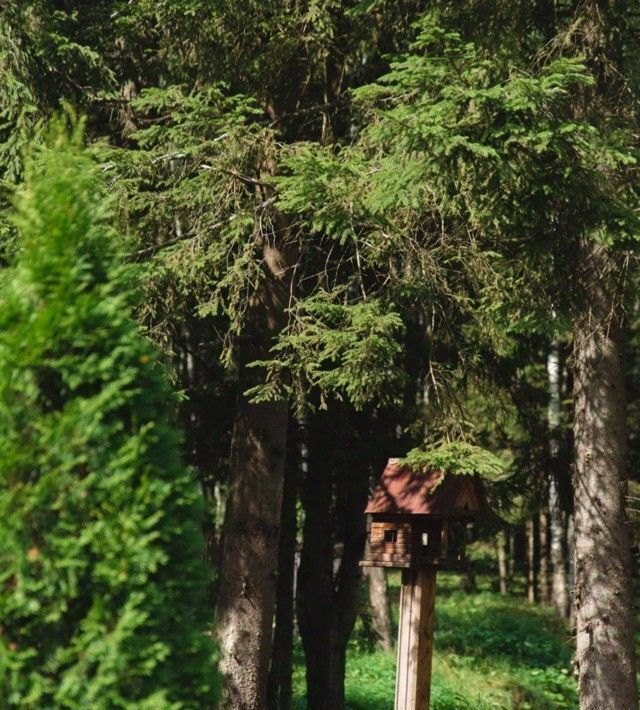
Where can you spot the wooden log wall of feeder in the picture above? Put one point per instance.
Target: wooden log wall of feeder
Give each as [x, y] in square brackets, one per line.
[416, 522]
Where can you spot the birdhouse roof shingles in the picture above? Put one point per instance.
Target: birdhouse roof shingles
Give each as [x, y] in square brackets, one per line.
[405, 491]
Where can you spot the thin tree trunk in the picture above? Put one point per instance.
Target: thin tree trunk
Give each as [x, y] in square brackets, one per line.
[511, 561]
[559, 551]
[571, 576]
[531, 561]
[543, 555]
[380, 607]
[605, 654]
[246, 594]
[354, 497]
[501, 543]
[468, 581]
[279, 694]
[557, 517]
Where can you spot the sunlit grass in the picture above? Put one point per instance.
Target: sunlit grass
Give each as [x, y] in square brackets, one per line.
[492, 653]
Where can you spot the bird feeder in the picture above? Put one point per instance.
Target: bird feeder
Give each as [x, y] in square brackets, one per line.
[418, 518]
[416, 522]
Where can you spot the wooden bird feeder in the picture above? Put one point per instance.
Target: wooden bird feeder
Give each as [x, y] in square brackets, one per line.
[416, 522]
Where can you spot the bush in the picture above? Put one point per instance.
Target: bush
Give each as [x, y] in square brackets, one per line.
[102, 580]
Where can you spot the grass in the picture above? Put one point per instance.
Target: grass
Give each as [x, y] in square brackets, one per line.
[492, 652]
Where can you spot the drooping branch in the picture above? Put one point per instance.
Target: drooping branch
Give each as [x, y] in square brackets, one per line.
[147, 252]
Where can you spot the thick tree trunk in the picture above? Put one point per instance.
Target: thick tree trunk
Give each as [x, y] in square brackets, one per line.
[557, 517]
[314, 594]
[501, 543]
[531, 561]
[543, 555]
[605, 654]
[246, 594]
[380, 607]
[279, 692]
[244, 612]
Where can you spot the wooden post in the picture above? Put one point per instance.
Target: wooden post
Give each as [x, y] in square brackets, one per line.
[415, 638]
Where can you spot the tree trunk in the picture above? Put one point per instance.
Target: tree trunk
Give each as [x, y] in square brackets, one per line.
[246, 594]
[558, 534]
[571, 567]
[605, 654]
[543, 555]
[557, 517]
[279, 694]
[327, 603]
[314, 594]
[244, 612]
[501, 542]
[511, 561]
[531, 561]
[468, 582]
[380, 607]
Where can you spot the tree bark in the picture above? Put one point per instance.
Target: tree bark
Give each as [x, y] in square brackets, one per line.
[531, 561]
[543, 555]
[605, 654]
[557, 517]
[501, 542]
[244, 611]
[468, 582]
[380, 607]
[246, 593]
[327, 604]
[559, 550]
[279, 692]
[571, 567]
[511, 560]
[314, 594]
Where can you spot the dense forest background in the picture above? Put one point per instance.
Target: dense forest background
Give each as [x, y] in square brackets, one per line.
[310, 236]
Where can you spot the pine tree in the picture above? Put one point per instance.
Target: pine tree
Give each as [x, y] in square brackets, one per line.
[102, 580]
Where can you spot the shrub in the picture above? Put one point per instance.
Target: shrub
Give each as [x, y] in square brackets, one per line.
[102, 579]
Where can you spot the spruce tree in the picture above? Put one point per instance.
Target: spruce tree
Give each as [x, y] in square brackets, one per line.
[102, 580]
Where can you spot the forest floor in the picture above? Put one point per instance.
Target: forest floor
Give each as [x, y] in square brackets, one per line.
[492, 652]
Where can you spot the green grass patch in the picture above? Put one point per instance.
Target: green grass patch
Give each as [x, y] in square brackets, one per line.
[491, 653]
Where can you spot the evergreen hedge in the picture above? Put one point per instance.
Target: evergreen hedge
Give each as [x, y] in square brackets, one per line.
[103, 586]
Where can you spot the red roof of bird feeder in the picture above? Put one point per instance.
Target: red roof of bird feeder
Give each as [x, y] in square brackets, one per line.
[405, 491]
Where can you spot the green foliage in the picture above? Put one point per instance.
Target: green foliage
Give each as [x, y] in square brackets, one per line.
[195, 175]
[47, 54]
[465, 191]
[183, 201]
[469, 183]
[348, 349]
[487, 624]
[458, 458]
[103, 589]
[528, 646]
